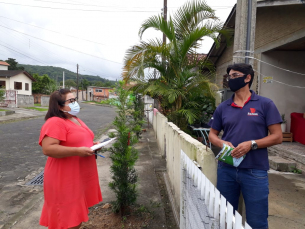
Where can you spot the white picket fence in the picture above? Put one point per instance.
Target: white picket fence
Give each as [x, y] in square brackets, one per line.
[201, 204]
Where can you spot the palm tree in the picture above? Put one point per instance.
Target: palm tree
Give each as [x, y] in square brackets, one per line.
[179, 83]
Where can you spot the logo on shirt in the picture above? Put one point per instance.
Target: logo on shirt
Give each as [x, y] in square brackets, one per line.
[252, 112]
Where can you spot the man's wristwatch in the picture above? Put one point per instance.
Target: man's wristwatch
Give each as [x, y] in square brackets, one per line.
[253, 145]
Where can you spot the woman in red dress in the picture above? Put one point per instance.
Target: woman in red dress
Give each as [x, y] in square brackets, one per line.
[71, 182]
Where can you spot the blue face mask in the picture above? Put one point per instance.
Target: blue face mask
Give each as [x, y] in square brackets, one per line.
[74, 108]
[237, 83]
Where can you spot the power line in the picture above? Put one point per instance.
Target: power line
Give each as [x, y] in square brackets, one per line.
[53, 31]
[61, 45]
[23, 54]
[281, 82]
[95, 73]
[91, 10]
[303, 74]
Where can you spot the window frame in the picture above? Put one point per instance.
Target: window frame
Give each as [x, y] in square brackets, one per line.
[15, 85]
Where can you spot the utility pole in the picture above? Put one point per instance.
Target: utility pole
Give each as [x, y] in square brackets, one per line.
[244, 37]
[63, 79]
[77, 81]
[165, 18]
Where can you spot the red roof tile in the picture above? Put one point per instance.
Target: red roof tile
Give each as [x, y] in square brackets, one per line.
[4, 63]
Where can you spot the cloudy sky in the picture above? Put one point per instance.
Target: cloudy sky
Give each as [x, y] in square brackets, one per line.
[92, 33]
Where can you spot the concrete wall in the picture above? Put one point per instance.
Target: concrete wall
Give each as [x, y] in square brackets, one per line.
[25, 100]
[171, 141]
[20, 78]
[45, 101]
[287, 99]
[278, 25]
[275, 26]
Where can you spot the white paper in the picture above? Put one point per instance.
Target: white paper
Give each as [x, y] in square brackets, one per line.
[100, 145]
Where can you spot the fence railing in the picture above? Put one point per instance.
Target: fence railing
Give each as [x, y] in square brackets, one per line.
[201, 204]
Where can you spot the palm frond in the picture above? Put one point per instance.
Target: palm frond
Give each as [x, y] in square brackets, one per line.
[190, 15]
[158, 23]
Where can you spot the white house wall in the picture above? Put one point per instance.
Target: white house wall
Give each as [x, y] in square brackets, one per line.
[20, 78]
[288, 99]
[2, 67]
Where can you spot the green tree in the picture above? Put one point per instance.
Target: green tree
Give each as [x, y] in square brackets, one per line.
[43, 84]
[124, 155]
[70, 83]
[13, 64]
[179, 82]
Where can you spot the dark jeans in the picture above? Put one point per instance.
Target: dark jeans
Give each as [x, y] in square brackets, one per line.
[253, 184]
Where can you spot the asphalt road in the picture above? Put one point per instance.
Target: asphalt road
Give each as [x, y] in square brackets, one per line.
[19, 149]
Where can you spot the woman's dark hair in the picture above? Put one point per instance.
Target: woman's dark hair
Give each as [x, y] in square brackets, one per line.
[57, 98]
[244, 68]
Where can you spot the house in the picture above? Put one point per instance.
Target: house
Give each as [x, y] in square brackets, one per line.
[18, 85]
[98, 93]
[279, 54]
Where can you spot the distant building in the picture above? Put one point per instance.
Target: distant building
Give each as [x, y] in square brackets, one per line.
[17, 85]
[98, 93]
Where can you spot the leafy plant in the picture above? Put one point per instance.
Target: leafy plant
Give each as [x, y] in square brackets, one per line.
[124, 155]
[295, 170]
[2, 93]
[283, 118]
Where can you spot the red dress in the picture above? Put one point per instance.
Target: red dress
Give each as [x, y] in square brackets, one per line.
[71, 184]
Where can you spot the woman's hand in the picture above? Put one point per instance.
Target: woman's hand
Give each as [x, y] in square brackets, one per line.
[84, 151]
[94, 143]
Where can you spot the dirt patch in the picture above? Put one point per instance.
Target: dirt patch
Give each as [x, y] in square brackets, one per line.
[102, 216]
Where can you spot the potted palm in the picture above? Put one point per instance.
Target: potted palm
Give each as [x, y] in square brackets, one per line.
[283, 125]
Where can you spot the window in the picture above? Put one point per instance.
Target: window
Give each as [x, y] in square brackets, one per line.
[2, 84]
[26, 86]
[98, 90]
[18, 85]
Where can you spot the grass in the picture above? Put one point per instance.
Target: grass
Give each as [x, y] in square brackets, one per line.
[3, 110]
[37, 108]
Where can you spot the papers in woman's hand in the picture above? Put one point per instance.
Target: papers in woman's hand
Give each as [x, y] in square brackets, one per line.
[100, 145]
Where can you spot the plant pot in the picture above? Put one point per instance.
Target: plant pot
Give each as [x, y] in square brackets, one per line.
[283, 126]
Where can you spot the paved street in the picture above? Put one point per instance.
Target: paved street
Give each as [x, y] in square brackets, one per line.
[21, 157]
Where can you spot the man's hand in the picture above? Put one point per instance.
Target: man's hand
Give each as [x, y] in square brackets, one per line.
[227, 143]
[241, 149]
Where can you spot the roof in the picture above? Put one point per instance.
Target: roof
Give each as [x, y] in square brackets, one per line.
[4, 63]
[10, 73]
[101, 87]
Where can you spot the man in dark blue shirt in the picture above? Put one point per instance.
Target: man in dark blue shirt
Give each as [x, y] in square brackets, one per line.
[246, 119]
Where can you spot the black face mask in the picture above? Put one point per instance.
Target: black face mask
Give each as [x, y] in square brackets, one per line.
[237, 83]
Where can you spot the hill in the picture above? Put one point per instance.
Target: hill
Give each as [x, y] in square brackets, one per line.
[56, 73]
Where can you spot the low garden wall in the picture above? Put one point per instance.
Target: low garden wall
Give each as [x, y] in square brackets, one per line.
[44, 101]
[25, 101]
[171, 141]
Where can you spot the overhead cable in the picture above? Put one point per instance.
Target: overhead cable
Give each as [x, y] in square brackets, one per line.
[61, 45]
[91, 10]
[279, 81]
[303, 74]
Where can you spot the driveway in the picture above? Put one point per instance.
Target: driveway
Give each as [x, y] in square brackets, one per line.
[21, 158]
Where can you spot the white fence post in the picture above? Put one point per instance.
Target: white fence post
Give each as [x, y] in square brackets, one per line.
[201, 204]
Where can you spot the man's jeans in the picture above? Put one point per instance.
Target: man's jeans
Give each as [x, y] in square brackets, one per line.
[253, 184]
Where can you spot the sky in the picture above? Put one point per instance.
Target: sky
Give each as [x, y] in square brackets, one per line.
[94, 34]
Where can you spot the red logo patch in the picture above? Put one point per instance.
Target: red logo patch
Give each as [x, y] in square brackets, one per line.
[252, 110]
